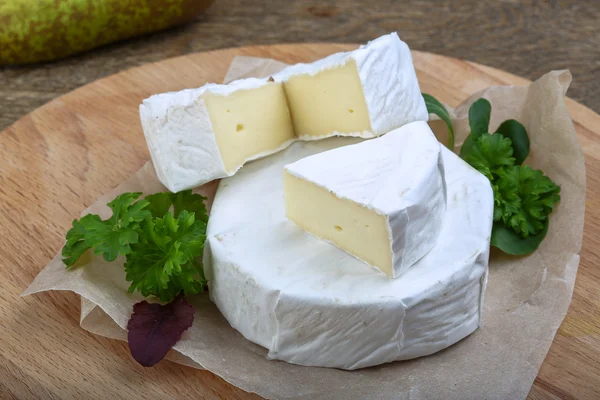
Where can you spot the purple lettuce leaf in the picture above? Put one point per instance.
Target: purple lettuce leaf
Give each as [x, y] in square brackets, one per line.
[154, 328]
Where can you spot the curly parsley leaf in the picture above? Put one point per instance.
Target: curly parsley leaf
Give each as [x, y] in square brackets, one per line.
[163, 262]
[528, 198]
[111, 237]
[162, 238]
[437, 108]
[191, 202]
[160, 203]
[489, 154]
[76, 244]
[523, 197]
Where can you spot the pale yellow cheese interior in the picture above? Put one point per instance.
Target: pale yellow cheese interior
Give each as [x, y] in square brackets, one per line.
[249, 122]
[354, 228]
[330, 101]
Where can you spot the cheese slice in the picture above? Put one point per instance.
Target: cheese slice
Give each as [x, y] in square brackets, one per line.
[366, 92]
[381, 200]
[310, 303]
[198, 135]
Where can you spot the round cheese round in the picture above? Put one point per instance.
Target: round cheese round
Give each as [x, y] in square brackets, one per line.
[310, 303]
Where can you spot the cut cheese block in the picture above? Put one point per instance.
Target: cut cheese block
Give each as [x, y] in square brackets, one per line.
[310, 303]
[382, 200]
[198, 135]
[365, 92]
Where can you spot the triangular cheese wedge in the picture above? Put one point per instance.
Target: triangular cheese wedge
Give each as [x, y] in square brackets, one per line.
[381, 200]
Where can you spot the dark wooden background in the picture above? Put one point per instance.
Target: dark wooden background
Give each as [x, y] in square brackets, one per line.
[524, 37]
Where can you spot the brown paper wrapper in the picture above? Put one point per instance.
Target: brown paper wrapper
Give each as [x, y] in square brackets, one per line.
[526, 300]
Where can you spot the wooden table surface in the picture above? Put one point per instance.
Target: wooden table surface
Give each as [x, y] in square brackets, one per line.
[524, 37]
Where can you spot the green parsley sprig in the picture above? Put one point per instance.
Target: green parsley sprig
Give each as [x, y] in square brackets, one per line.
[523, 198]
[161, 236]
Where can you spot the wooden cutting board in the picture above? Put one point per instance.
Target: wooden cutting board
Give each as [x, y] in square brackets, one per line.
[60, 158]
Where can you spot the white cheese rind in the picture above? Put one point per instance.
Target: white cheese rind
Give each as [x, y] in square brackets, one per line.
[310, 303]
[389, 81]
[399, 176]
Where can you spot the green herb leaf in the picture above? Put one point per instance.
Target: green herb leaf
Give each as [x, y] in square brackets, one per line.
[163, 262]
[528, 198]
[437, 108]
[76, 244]
[510, 242]
[159, 203]
[466, 147]
[194, 203]
[162, 248]
[479, 122]
[523, 197]
[479, 117]
[489, 154]
[516, 132]
[111, 237]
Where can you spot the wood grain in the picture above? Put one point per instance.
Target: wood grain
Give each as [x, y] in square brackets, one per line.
[524, 37]
[60, 158]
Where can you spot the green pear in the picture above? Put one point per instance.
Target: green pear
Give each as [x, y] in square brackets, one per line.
[43, 30]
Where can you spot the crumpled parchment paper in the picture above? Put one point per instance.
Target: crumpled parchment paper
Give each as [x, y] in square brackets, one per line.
[526, 301]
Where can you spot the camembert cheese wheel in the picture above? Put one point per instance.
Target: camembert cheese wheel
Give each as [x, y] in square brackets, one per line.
[310, 303]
